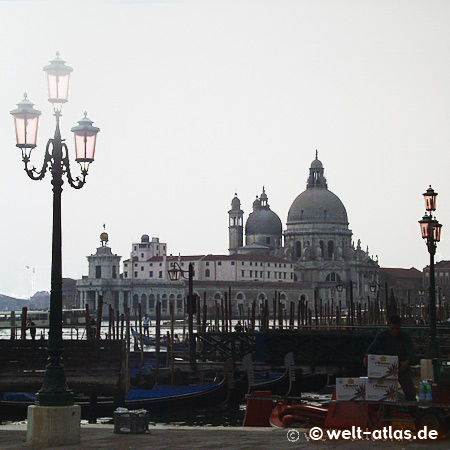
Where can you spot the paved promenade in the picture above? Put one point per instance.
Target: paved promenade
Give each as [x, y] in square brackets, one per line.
[99, 437]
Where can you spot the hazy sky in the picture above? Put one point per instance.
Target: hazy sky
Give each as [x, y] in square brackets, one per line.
[197, 99]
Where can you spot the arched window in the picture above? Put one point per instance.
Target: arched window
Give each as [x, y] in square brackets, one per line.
[330, 249]
[164, 302]
[298, 249]
[151, 301]
[333, 276]
[322, 248]
[207, 273]
[135, 301]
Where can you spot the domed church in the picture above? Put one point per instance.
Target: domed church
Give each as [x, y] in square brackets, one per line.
[316, 239]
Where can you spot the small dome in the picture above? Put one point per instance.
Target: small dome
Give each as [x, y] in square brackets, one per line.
[265, 222]
[104, 237]
[235, 203]
[256, 204]
[145, 238]
[316, 164]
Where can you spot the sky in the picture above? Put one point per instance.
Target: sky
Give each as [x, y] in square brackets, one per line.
[197, 100]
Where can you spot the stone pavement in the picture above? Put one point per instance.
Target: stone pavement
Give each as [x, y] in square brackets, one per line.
[101, 437]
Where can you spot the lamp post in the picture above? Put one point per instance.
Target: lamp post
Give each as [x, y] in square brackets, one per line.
[54, 391]
[340, 288]
[174, 275]
[431, 233]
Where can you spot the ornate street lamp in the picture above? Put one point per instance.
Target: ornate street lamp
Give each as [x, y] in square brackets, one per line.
[175, 273]
[54, 391]
[340, 288]
[431, 232]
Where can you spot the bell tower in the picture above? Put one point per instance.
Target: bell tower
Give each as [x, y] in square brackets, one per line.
[235, 226]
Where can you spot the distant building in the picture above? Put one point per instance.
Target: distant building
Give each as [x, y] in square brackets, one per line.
[117, 289]
[317, 240]
[442, 279]
[406, 284]
[317, 254]
[69, 293]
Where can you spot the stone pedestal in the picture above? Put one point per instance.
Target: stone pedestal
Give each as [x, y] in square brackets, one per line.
[53, 425]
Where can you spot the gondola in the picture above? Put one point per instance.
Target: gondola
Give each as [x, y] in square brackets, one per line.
[152, 341]
[13, 406]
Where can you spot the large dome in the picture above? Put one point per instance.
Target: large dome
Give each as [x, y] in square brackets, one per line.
[318, 206]
[263, 221]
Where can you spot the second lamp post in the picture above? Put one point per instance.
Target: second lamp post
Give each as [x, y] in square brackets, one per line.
[431, 232]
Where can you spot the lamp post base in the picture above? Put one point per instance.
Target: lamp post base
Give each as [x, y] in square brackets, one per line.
[50, 426]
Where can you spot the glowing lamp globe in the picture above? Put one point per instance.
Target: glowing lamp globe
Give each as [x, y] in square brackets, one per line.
[85, 140]
[26, 120]
[58, 77]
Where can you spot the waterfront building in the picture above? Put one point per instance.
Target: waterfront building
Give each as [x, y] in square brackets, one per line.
[318, 252]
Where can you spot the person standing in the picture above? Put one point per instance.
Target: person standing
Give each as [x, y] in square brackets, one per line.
[146, 322]
[32, 327]
[395, 342]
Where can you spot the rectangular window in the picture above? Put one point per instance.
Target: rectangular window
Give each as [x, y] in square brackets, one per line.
[125, 274]
[250, 263]
[114, 271]
[135, 264]
[261, 274]
[219, 263]
[243, 273]
[251, 273]
[160, 264]
[98, 271]
[142, 268]
[151, 264]
[207, 263]
[179, 303]
[285, 275]
[142, 255]
[292, 276]
[268, 265]
[125, 265]
[160, 274]
[135, 274]
[151, 274]
[232, 263]
[268, 274]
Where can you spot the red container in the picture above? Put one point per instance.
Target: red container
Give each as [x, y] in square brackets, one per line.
[441, 392]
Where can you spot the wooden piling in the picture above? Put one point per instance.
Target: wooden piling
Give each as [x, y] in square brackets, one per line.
[157, 339]
[88, 322]
[23, 323]
[141, 337]
[99, 316]
[225, 300]
[171, 341]
[13, 325]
